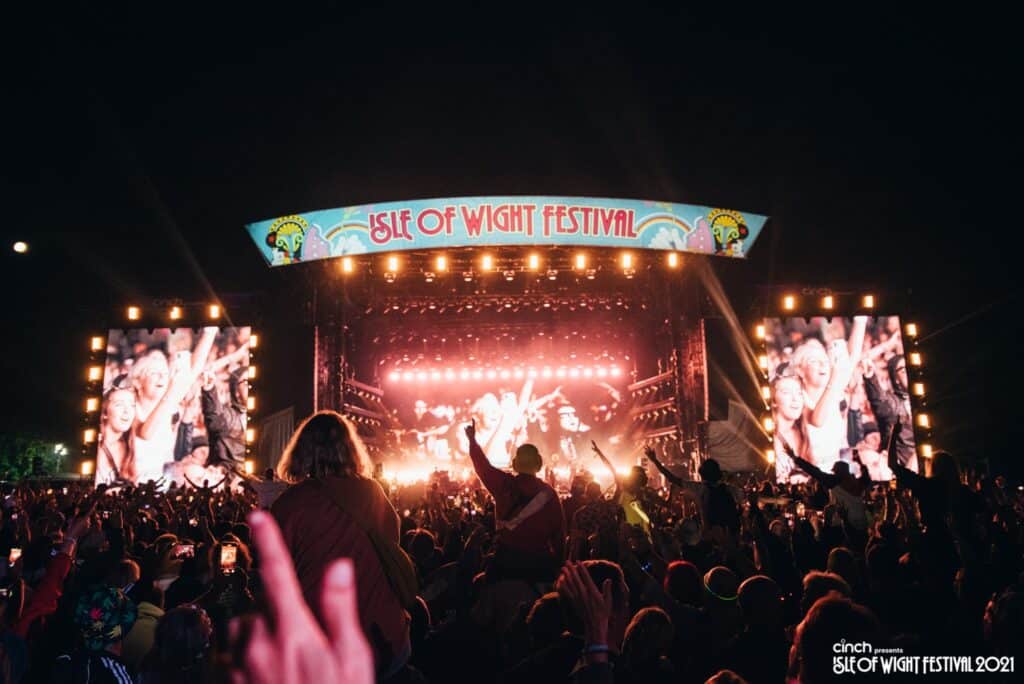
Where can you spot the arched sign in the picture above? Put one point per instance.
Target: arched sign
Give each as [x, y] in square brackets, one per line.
[500, 221]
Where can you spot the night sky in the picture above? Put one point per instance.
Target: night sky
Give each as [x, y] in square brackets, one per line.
[885, 149]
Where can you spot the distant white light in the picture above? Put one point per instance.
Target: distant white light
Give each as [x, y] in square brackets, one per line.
[20, 247]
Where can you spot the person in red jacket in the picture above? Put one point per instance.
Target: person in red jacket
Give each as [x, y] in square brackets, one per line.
[324, 460]
[527, 513]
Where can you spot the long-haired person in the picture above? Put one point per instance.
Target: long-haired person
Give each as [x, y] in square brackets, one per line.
[787, 404]
[826, 376]
[334, 510]
[116, 458]
[160, 388]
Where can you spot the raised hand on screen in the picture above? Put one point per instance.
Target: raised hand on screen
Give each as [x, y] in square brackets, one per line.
[296, 649]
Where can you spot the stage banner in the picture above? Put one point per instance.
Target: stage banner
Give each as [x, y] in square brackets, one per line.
[496, 221]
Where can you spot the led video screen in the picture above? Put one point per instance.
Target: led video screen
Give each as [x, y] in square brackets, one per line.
[174, 406]
[560, 410]
[838, 386]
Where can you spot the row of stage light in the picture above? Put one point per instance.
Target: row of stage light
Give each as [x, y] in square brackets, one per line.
[93, 402]
[519, 373]
[488, 263]
[175, 313]
[914, 359]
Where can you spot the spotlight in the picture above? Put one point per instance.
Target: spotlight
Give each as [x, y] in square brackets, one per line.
[393, 264]
[926, 450]
[615, 371]
[134, 313]
[911, 329]
[918, 389]
[766, 392]
[629, 272]
[509, 275]
[421, 376]
[759, 332]
[915, 358]
[468, 276]
[762, 361]
[435, 375]
[389, 276]
[505, 374]
[253, 341]
[827, 302]
[250, 435]
[478, 374]
[348, 265]
[249, 466]
[91, 404]
[673, 260]
[428, 276]
[626, 260]
[87, 468]
[486, 262]
[769, 424]
[96, 344]
[250, 403]
[95, 373]
[789, 302]
[560, 373]
[580, 262]
[868, 302]
[441, 264]
[546, 373]
[574, 372]
[175, 313]
[491, 374]
[408, 375]
[923, 420]
[213, 311]
[20, 247]
[394, 376]
[89, 435]
[464, 374]
[552, 274]
[533, 262]
[591, 273]
[769, 455]
[252, 372]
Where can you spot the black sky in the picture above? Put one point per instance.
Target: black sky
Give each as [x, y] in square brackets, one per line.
[885, 148]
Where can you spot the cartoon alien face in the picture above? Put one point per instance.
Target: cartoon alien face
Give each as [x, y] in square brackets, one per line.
[726, 229]
[285, 239]
[289, 239]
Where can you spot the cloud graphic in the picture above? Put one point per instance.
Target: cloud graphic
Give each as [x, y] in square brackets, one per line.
[315, 246]
[349, 244]
[668, 238]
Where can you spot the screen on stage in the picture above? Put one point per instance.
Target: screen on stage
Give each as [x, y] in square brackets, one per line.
[838, 386]
[174, 406]
[560, 410]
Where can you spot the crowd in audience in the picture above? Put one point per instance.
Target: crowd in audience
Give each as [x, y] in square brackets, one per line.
[319, 573]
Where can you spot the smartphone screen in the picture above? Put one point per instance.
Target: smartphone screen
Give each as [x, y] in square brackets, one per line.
[184, 551]
[228, 555]
[14, 556]
[892, 484]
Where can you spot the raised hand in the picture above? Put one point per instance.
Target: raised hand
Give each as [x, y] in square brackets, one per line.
[471, 430]
[296, 649]
[593, 605]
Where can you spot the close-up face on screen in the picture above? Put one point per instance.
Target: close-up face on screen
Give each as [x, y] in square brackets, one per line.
[162, 390]
[838, 386]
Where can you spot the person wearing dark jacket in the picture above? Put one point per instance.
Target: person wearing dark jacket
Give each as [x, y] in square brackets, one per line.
[225, 423]
[892, 407]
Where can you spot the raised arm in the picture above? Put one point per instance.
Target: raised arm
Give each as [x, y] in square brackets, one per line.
[488, 474]
[904, 476]
[608, 464]
[669, 475]
[827, 480]
[842, 370]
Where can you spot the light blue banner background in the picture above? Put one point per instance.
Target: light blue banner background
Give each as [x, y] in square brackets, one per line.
[494, 221]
